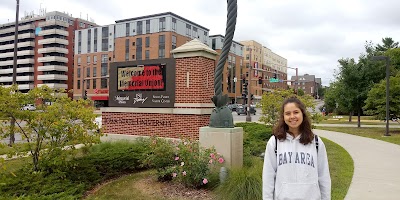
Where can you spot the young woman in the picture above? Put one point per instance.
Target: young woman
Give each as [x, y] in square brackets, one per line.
[295, 163]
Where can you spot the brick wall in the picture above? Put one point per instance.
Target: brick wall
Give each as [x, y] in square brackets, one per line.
[149, 124]
[201, 80]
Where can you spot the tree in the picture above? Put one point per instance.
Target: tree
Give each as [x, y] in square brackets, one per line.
[321, 92]
[52, 127]
[376, 101]
[300, 92]
[271, 104]
[388, 43]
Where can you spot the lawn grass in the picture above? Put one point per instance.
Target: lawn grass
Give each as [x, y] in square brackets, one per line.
[354, 122]
[370, 132]
[341, 168]
[11, 166]
[5, 149]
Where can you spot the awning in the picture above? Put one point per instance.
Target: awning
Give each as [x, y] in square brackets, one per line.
[99, 98]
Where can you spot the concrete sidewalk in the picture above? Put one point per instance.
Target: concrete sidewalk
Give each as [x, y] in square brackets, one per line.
[392, 125]
[376, 166]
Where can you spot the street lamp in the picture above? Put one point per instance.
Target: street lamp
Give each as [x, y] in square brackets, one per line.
[387, 88]
[248, 116]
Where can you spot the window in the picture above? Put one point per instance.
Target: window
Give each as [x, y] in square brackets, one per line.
[103, 83]
[79, 85]
[87, 84]
[87, 72]
[104, 69]
[79, 41]
[88, 59]
[188, 29]
[78, 72]
[95, 40]
[104, 43]
[139, 28]
[147, 26]
[89, 38]
[127, 27]
[133, 57]
[94, 84]
[162, 24]
[161, 46]
[173, 42]
[138, 48]
[127, 49]
[147, 41]
[79, 60]
[195, 35]
[147, 55]
[104, 58]
[213, 44]
[94, 71]
[173, 24]
[94, 59]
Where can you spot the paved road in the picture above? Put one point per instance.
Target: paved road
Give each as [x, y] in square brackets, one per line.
[376, 166]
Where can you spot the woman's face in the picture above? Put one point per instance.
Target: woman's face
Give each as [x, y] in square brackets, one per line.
[293, 117]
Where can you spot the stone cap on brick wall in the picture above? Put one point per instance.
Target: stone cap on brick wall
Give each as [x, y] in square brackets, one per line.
[194, 48]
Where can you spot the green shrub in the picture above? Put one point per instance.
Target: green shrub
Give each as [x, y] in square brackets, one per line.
[244, 183]
[70, 178]
[161, 157]
[255, 138]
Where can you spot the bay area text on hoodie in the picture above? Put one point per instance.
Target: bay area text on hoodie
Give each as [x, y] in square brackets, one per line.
[297, 171]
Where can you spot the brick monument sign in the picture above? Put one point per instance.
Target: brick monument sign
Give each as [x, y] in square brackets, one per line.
[163, 97]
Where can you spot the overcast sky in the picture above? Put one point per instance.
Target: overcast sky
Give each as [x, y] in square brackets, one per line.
[311, 34]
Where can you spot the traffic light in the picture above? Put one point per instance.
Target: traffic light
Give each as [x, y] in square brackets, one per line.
[260, 80]
[275, 76]
[245, 88]
[252, 97]
[85, 97]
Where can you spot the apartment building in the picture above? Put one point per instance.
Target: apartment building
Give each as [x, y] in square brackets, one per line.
[308, 83]
[265, 65]
[233, 68]
[140, 38]
[45, 50]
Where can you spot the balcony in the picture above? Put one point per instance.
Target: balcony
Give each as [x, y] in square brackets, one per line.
[53, 41]
[53, 32]
[53, 23]
[53, 50]
[20, 28]
[55, 85]
[19, 78]
[19, 53]
[23, 86]
[20, 44]
[19, 70]
[52, 68]
[52, 77]
[52, 58]
[20, 36]
[19, 61]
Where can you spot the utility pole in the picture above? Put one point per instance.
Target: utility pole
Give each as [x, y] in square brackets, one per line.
[297, 81]
[248, 116]
[14, 77]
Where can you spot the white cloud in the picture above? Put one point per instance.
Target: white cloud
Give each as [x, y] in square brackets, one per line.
[311, 34]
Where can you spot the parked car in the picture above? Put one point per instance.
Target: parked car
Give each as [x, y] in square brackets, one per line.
[29, 107]
[393, 118]
[242, 109]
[233, 107]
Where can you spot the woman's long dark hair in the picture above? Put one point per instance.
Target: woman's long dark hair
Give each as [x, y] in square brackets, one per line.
[282, 128]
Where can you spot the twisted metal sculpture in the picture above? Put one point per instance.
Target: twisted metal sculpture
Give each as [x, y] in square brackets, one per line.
[221, 117]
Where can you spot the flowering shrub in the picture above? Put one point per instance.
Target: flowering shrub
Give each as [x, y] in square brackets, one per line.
[161, 157]
[193, 164]
[184, 161]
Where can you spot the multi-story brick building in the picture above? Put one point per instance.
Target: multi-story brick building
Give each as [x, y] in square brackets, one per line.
[308, 83]
[141, 38]
[265, 65]
[45, 50]
[233, 68]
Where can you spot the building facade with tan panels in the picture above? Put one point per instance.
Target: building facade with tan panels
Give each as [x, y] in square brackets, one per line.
[141, 38]
[265, 65]
[45, 50]
[234, 68]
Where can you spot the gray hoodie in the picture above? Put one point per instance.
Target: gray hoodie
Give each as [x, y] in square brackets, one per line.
[297, 171]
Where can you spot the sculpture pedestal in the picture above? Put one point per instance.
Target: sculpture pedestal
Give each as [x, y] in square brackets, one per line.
[227, 141]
